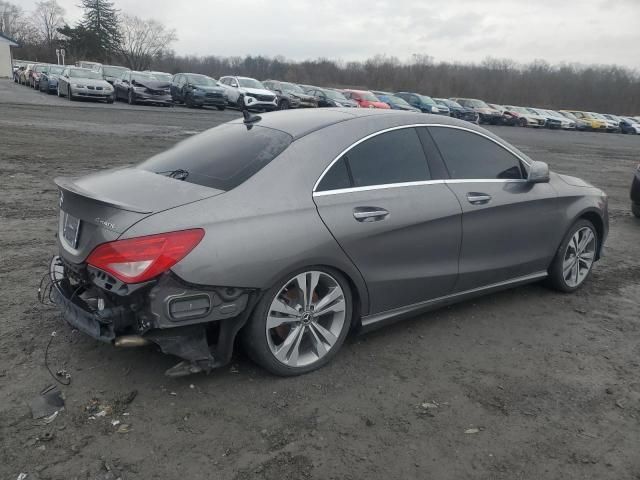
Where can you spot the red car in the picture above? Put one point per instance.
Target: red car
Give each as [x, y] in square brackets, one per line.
[365, 99]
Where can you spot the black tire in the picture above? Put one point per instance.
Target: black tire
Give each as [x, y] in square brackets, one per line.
[283, 105]
[188, 101]
[240, 103]
[523, 122]
[131, 100]
[69, 94]
[110, 100]
[635, 209]
[556, 278]
[221, 107]
[254, 335]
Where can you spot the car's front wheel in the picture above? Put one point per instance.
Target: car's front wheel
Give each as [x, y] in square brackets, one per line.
[574, 259]
[283, 105]
[300, 324]
[635, 209]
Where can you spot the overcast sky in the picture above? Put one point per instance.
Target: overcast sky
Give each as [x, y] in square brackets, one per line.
[585, 31]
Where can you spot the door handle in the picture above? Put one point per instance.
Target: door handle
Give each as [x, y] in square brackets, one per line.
[369, 214]
[476, 198]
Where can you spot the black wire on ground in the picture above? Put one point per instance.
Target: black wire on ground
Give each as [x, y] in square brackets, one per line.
[67, 378]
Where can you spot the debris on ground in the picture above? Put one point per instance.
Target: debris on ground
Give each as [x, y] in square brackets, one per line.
[51, 418]
[124, 428]
[47, 404]
[22, 476]
[47, 437]
[470, 431]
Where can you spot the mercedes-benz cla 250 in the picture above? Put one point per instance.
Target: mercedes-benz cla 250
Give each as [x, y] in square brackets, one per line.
[293, 228]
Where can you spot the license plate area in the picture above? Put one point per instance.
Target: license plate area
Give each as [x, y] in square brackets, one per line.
[70, 229]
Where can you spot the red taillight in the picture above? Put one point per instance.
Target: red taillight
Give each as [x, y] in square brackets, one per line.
[137, 260]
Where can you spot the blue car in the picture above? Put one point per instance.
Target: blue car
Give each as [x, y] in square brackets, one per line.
[396, 103]
[423, 103]
[49, 78]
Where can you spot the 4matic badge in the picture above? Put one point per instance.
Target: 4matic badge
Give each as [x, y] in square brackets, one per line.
[105, 224]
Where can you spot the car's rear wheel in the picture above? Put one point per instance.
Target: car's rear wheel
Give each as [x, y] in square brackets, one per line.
[69, 94]
[300, 324]
[283, 105]
[523, 122]
[635, 209]
[220, 107]
[574, 259]
[130, 98]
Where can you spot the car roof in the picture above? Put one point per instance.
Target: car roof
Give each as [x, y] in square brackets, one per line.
[301, 122]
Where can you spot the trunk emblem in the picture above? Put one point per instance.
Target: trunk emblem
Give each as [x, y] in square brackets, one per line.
[105, 224]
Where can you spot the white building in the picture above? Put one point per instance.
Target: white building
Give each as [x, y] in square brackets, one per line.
[6, 65]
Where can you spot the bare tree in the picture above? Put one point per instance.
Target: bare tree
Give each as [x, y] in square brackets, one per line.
[143, 41]
[49, 16]
[16, 25]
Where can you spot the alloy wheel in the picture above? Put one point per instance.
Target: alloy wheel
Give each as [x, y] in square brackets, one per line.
[578, 257]
[306, 318]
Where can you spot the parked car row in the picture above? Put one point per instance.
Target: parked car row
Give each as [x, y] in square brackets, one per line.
[110, 83]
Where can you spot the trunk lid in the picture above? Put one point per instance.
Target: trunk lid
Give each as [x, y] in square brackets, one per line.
[99, 207]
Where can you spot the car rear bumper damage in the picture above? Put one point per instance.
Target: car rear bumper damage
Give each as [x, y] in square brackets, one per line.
[196, 323]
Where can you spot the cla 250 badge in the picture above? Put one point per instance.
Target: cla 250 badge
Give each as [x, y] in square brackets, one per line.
[105, 224]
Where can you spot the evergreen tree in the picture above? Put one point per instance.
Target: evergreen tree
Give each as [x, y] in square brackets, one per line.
[101, 19]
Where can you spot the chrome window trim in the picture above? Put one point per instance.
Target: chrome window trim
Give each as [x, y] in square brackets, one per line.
[423, 182]
[377, 187]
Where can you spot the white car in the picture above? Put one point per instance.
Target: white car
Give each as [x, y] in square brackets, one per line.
[526, 118]
[249, 93]
[565, 123]
[580, 123]
[76, 83]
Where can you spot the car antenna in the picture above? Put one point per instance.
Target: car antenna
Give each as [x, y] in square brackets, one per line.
[249, 118]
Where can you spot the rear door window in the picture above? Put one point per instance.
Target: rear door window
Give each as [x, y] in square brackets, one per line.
[392, 157]
[221, 158]
[468, 155]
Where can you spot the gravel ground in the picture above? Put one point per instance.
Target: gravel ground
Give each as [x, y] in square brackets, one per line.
[525, 384]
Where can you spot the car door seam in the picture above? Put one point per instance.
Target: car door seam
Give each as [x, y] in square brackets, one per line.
[364, 281]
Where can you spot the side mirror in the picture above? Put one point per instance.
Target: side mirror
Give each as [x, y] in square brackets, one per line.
[538, 173]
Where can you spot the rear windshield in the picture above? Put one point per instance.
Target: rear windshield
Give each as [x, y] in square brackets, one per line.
[84, 73]
[221, 158]
[113, 71]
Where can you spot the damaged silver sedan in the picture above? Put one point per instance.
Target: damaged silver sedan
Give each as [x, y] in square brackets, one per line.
[296, 227]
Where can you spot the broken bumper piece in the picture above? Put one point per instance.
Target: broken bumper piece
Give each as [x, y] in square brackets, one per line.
[196, 324]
